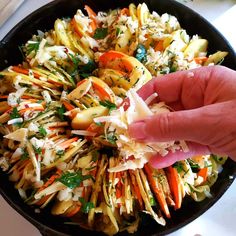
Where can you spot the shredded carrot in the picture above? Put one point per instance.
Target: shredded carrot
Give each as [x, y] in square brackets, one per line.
[156, 190]
[68, 106]
[51, 180]
[136, 189]
[175, 188]
[22, 111]
[159, 46]
[102, 93]
[92, 15]
[200, 60]
[74, 210]
[76, 27]
[24, 71]
[124, 11]
[67, 143]
[203, 173]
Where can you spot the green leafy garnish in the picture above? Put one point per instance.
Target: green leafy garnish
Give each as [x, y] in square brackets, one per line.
[87, 69]
[38, 150]
[60, 111]
[141, 53]
[111, 137]
[194, 166]
[73, 180]
[32, 46]
[118, 31]
[14, 114]
[25, 155]
[179, 167]
[42, 131]
[86, 206]
[100, 33]
[111, 106]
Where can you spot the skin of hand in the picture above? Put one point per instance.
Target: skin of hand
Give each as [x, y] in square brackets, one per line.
[204, 104]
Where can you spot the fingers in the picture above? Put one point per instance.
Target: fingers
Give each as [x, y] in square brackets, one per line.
[201, 125]
[159, 161]
[184, 87]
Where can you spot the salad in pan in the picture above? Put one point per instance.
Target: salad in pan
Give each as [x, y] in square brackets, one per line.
[64, 118]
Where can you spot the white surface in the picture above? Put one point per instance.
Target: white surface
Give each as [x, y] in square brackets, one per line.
[217, 221]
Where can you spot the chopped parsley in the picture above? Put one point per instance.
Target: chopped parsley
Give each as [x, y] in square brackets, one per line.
[86, 206]
[32, 46]
[42, 131]
[100, 33]
[194, 166]
[25, 155]
[60, 111]
[38, 150]
[111, 137]
[14, 114]
[87, 69]
[111, 106]
[179, 167]
[73, 179]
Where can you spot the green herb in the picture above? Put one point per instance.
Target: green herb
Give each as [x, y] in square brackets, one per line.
[141, 53]
[153, 201]
[100, 33]
[42, 131]
[25, 155]
[117, 31]
[14, 114]
[37, 150]
[60, 111]
[1, 76]
[87, 69]
[86, 206]
[32, 47]
[73, 180]
[179, 167]
[111, 137]
[111, 106]
[194, 166]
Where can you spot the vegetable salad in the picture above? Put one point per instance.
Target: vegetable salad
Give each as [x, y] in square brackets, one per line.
[63, 119]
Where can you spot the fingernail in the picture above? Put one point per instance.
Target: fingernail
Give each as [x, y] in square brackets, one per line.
[137, 130]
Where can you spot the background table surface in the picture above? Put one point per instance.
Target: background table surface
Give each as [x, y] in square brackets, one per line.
[219, 219]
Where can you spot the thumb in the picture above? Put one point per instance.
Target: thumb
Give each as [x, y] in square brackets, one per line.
[197, 125]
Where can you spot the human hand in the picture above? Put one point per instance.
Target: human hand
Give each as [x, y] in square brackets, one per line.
[204, 103]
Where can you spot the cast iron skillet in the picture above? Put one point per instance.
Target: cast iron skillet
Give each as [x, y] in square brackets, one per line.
[43, 19]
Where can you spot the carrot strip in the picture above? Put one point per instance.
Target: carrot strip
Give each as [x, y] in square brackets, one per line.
[124, 11]
[51, 180]
[200, 60]
[72, 212]
[92, 15]
[156, 189]
[67, 143]
[76, 27]
[24, 71]
[175, 187]
[68, 106]
[203, 173]
[21, 112]
[102, 93]
[136, 189]
[159, 46]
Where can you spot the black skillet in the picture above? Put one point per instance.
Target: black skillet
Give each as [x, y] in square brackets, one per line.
[43, 19]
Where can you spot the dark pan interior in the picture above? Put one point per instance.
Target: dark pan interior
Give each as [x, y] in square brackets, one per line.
[43, 19]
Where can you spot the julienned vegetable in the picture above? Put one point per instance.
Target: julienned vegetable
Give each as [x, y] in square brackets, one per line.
[64, 137]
